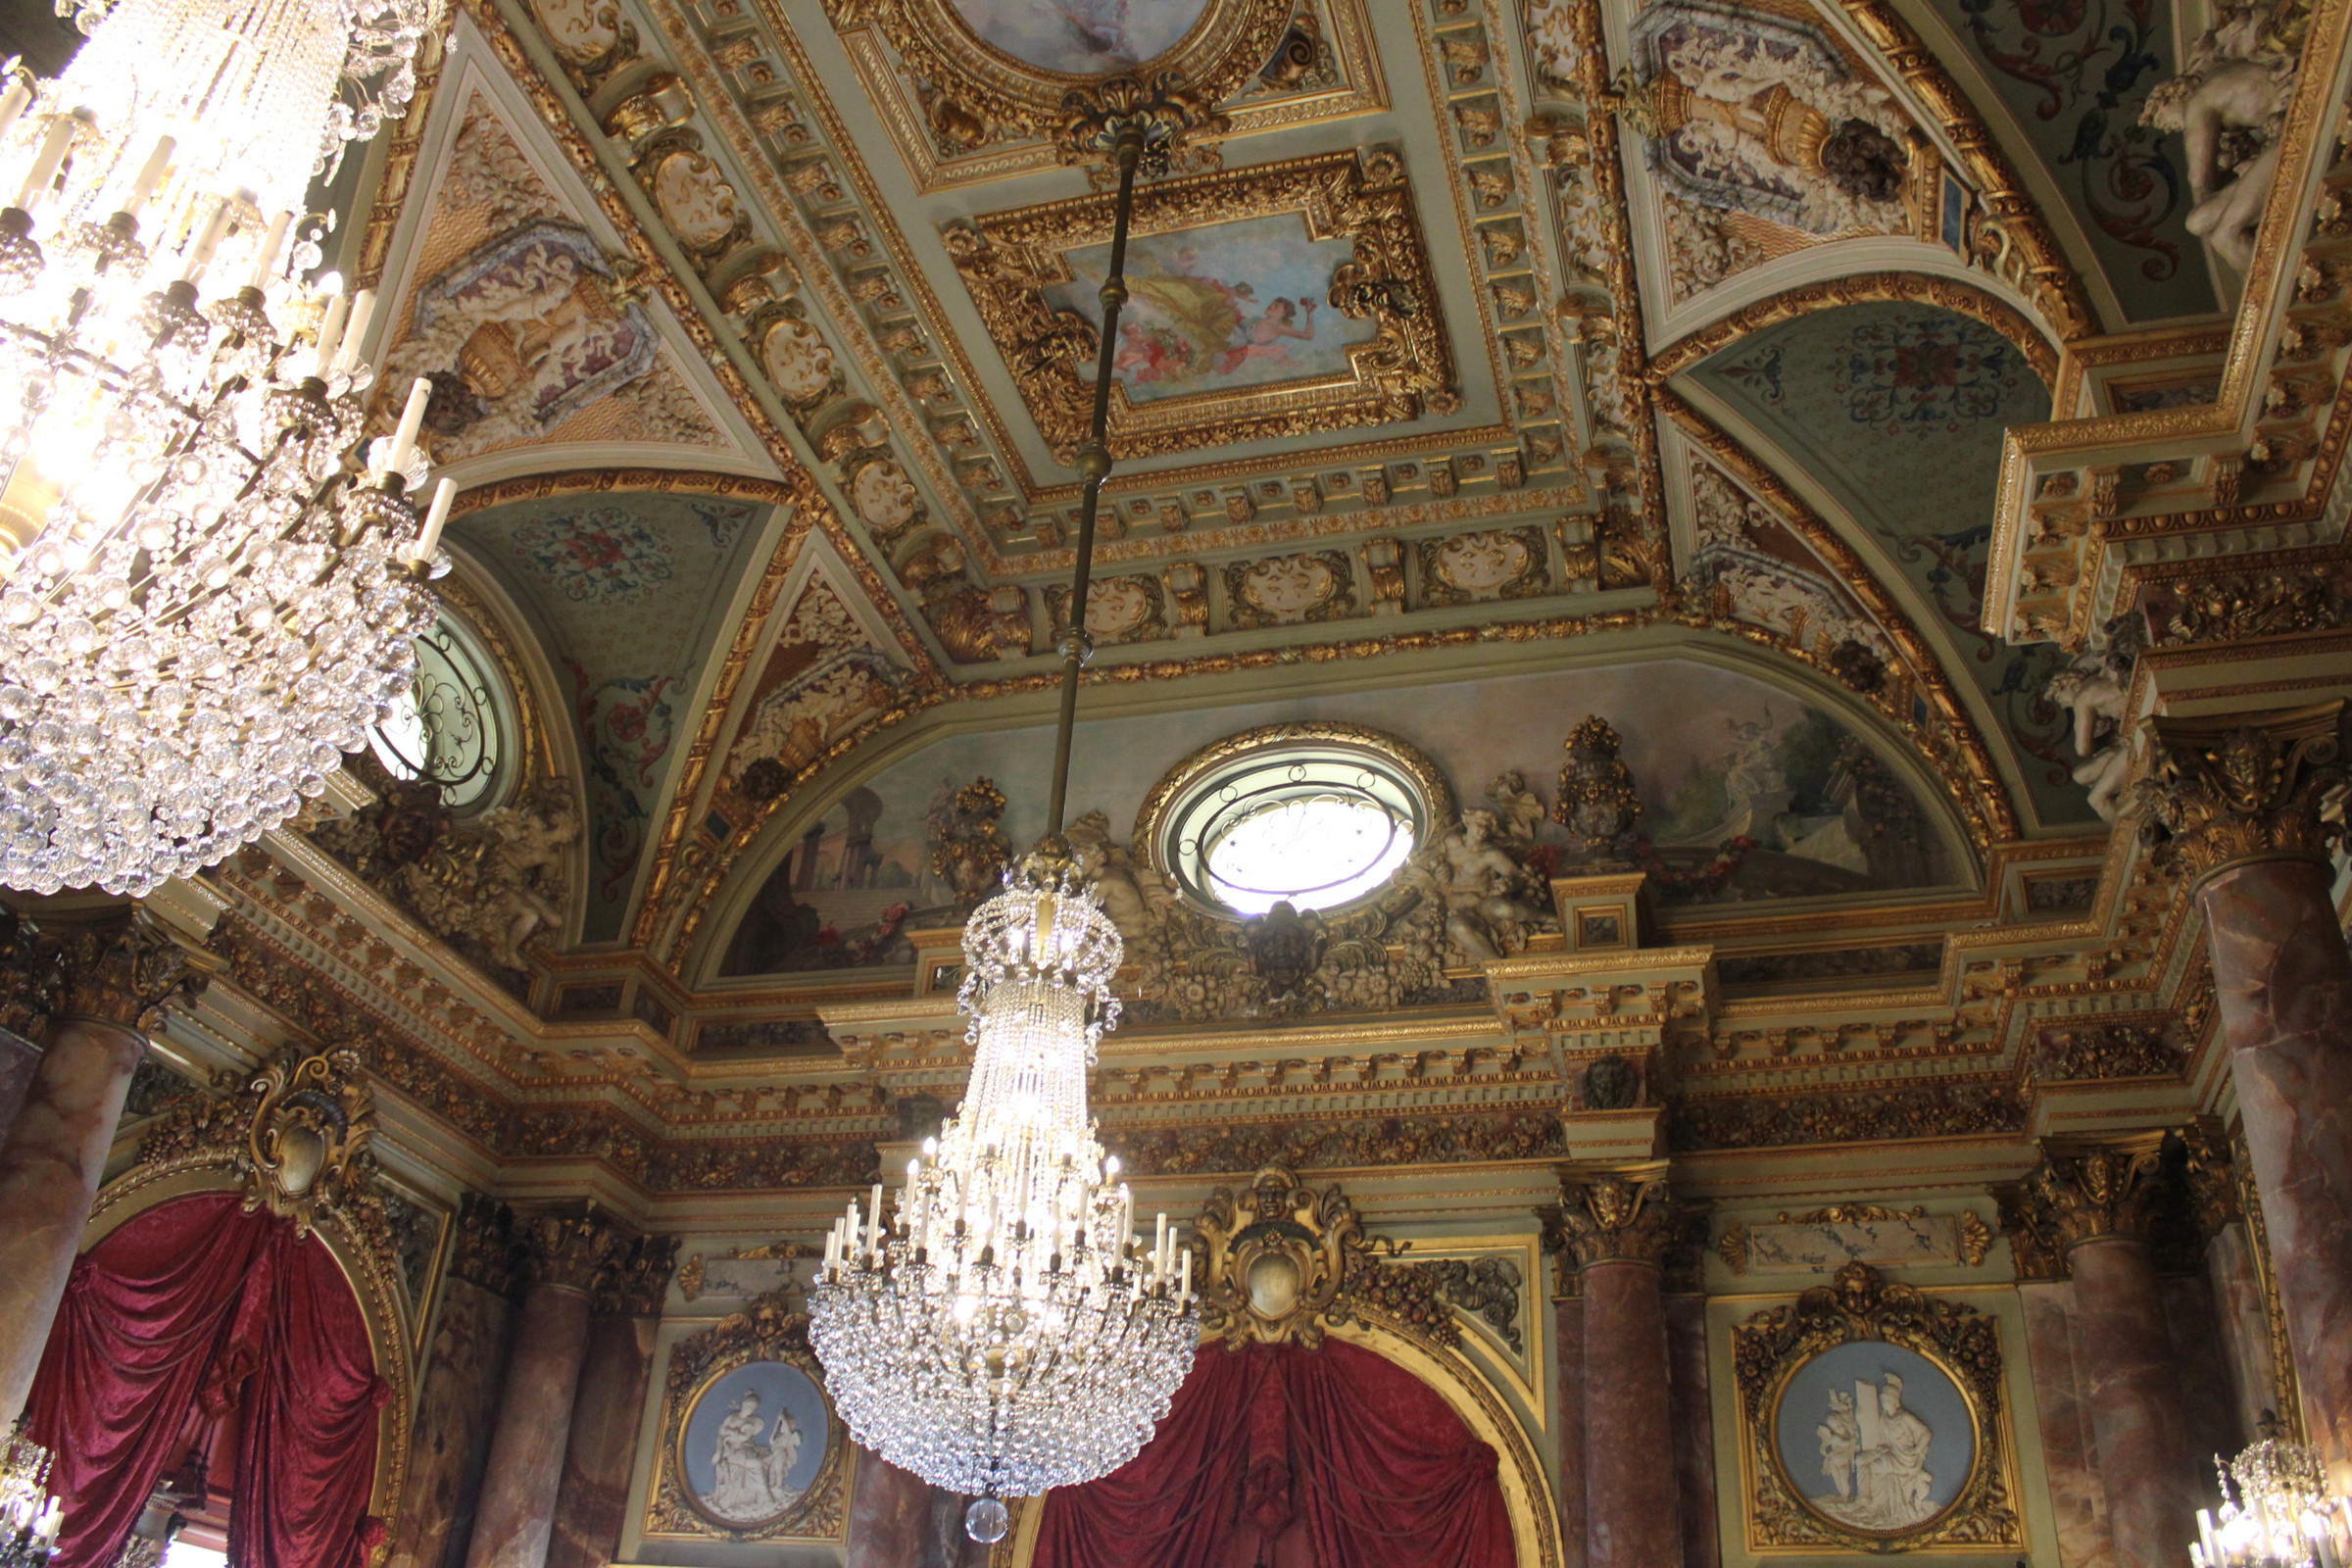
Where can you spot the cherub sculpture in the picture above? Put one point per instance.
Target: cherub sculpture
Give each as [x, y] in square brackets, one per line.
[2227, 103]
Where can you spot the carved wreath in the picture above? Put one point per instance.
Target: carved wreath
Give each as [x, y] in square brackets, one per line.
[763, 1330]
[1769, 1349]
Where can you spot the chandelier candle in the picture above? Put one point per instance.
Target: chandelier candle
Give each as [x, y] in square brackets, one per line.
[997, 1330]
[215, 604]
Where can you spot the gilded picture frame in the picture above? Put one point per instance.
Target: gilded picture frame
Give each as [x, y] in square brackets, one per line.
[1897, 1488]
[765, 1349]
[1398, 368]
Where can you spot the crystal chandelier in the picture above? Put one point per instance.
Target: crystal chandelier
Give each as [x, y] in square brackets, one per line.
[29, 1518]
[2275, 1511]
[997, 1330]
[206, 603]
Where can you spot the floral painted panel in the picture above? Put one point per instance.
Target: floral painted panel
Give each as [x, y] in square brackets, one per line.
[627, 589]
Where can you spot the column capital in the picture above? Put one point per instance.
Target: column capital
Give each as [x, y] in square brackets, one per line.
[1612, 1213]
[113, 965]
[483, 1249]
[2232, 788]
[2098, 1188]
[638, 1278]
[572, 1251]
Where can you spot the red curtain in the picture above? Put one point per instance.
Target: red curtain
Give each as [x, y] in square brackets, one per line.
[305, 1461]
[198, 1303]
[1276, 1456]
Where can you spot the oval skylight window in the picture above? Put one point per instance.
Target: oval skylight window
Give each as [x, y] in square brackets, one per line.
[1314, 816]
[447, 727]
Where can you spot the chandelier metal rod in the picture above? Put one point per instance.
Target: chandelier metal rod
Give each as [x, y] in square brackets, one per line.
[1094, 466]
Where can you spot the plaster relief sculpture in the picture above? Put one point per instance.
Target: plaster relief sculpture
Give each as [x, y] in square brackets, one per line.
[499, 880]
[2227, 103]
[1749, 113]
[2094, 690]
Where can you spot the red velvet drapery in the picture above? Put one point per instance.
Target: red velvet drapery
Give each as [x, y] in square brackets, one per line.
[199, 1301]
[1274, 1456]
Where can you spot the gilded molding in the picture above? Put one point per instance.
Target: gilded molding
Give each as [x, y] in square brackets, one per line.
[2220, 792]
[2058, 291]
[1970, 300]
[1007, 259]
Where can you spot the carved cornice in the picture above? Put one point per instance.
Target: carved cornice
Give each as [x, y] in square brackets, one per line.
[1923, 288]
[2220, 792]
[2099, 1189]
[1615, 1213]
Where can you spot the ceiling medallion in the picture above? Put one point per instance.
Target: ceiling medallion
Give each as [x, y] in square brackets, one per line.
[1029, 66]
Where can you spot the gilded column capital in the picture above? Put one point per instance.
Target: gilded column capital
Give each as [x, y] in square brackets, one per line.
[2098, 1188]
[572, 1251]
[638, 1278]
[2212, 1173]
[483, 1249]
[1612, 1213]
[2241, 787]
[116, 965]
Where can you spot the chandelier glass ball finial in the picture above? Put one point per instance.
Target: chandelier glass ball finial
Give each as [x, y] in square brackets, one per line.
[208, 600]
[999, 1330]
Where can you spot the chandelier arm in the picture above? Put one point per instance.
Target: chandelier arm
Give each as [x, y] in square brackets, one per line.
[1093, 463]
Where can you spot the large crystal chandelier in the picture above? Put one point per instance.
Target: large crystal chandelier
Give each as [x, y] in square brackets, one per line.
[206, 603]
[998, 1330]
[2277, 1511]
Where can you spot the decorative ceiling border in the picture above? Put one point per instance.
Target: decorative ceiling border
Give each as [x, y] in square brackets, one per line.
[1861, 288]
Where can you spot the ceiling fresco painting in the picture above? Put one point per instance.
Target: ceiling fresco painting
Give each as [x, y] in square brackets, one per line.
[631, 590]
[1897, 411]
[1749, 793]
[529, 332]
[2072, 79]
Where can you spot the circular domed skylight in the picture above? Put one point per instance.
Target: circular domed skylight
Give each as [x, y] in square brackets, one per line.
[1317, 816]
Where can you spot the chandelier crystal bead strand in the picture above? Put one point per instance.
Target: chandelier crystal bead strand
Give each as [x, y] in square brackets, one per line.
[998, 1330]
[208, 599]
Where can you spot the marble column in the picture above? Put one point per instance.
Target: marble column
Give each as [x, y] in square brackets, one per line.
[515, 1518]
[110, 973]
[1568, 1317]
[458, 1391]
[1620, 1222]
[20, 1059]
[592, 1500]
[2099, 1194]
[1693, 1429]
[49, 1174]
[890, 1515]
[2240, 800]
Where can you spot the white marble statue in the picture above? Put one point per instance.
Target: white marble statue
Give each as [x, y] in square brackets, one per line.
[2227, 103]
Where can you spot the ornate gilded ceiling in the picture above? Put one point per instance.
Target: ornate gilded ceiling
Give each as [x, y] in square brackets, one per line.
[1684, 365]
